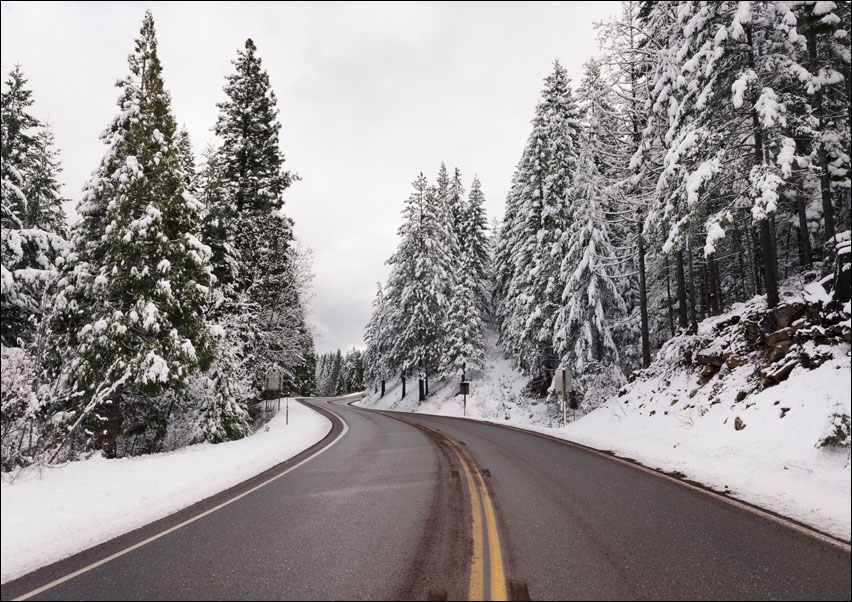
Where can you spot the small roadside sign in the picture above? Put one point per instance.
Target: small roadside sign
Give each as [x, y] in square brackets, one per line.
[562, 382]
[274, 381]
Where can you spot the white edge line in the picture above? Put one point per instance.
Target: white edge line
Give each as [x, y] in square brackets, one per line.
[102, 561]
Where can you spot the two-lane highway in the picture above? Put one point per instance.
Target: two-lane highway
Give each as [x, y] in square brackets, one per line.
[406, 506]
[579, 525]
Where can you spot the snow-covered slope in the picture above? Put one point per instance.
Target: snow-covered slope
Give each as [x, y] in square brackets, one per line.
[723, 407]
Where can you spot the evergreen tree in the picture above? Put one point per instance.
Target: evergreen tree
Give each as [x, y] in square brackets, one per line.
[594, 335]
[304, 380]
[32, 236]
[129, 319]
[245, 225]
[353, 371]
[249, 128]
[476, 240]
[623, 82]
[592, 300]
[538, 210]
[378, 336]
[464, 343]
[416, 283]
[325, 386]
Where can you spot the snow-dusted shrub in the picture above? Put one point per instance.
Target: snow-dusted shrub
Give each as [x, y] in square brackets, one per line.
[20, 434]
[839, 434]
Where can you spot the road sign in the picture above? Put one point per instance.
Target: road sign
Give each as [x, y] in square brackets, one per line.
[464, 389]
[274, 381]
[560, 384]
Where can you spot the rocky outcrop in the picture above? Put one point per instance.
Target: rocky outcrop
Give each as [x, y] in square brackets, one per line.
[775, 341]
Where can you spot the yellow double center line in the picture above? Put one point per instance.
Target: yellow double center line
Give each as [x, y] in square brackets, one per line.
[479, 497]
[485, 536]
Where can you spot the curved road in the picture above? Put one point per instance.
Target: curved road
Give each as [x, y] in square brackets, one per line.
[404, 506]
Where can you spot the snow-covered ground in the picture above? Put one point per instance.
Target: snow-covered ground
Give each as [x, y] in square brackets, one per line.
[670, 423]
[51, 514]
[666, 421]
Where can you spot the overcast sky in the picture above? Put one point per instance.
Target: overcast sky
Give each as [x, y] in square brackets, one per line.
[369, 94]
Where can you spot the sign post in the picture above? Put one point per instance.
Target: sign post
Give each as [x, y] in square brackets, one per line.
[274, 382]
[465, 389]
[562, 382]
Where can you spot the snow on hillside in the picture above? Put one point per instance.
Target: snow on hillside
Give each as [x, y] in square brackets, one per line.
[756, 444]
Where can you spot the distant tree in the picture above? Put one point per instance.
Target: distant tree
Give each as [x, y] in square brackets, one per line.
[475, 238]
[33, 222]
[353, 371]
[415, 286]
[377, 357]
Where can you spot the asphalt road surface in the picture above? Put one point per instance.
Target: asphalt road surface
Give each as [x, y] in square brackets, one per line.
[403, 506]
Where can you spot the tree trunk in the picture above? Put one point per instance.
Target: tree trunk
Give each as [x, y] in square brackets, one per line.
[716, 286]
[770, 267]
[643, 302]
[106, 437]
[805, 257]
[403, 385]
[742, 278]
[755, 261]
[693, 321]
[421, 391]
[704, 289]
[669, 299]
[383, 388]
[822, 154]
[767, 246]
[682, 314]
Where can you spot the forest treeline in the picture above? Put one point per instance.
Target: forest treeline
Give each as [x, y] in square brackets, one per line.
[152, 322]
[702, 159]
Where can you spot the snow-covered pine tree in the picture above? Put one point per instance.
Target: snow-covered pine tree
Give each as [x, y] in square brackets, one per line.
[337, 374]
[731, 60]
[187, 161]
[217, 215]
[377, 336]
[607, 141]
[415, 286]
[464, 342]
[303, 381]
[445, 242]
[539, 207]
[323, 375]
[591, 296]
[507, 237]
[33, 222]
[248, 230]
[476, 239]
[824, 72]
[591, 270]
[353, 370]
[128, 322]
[625, 65]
